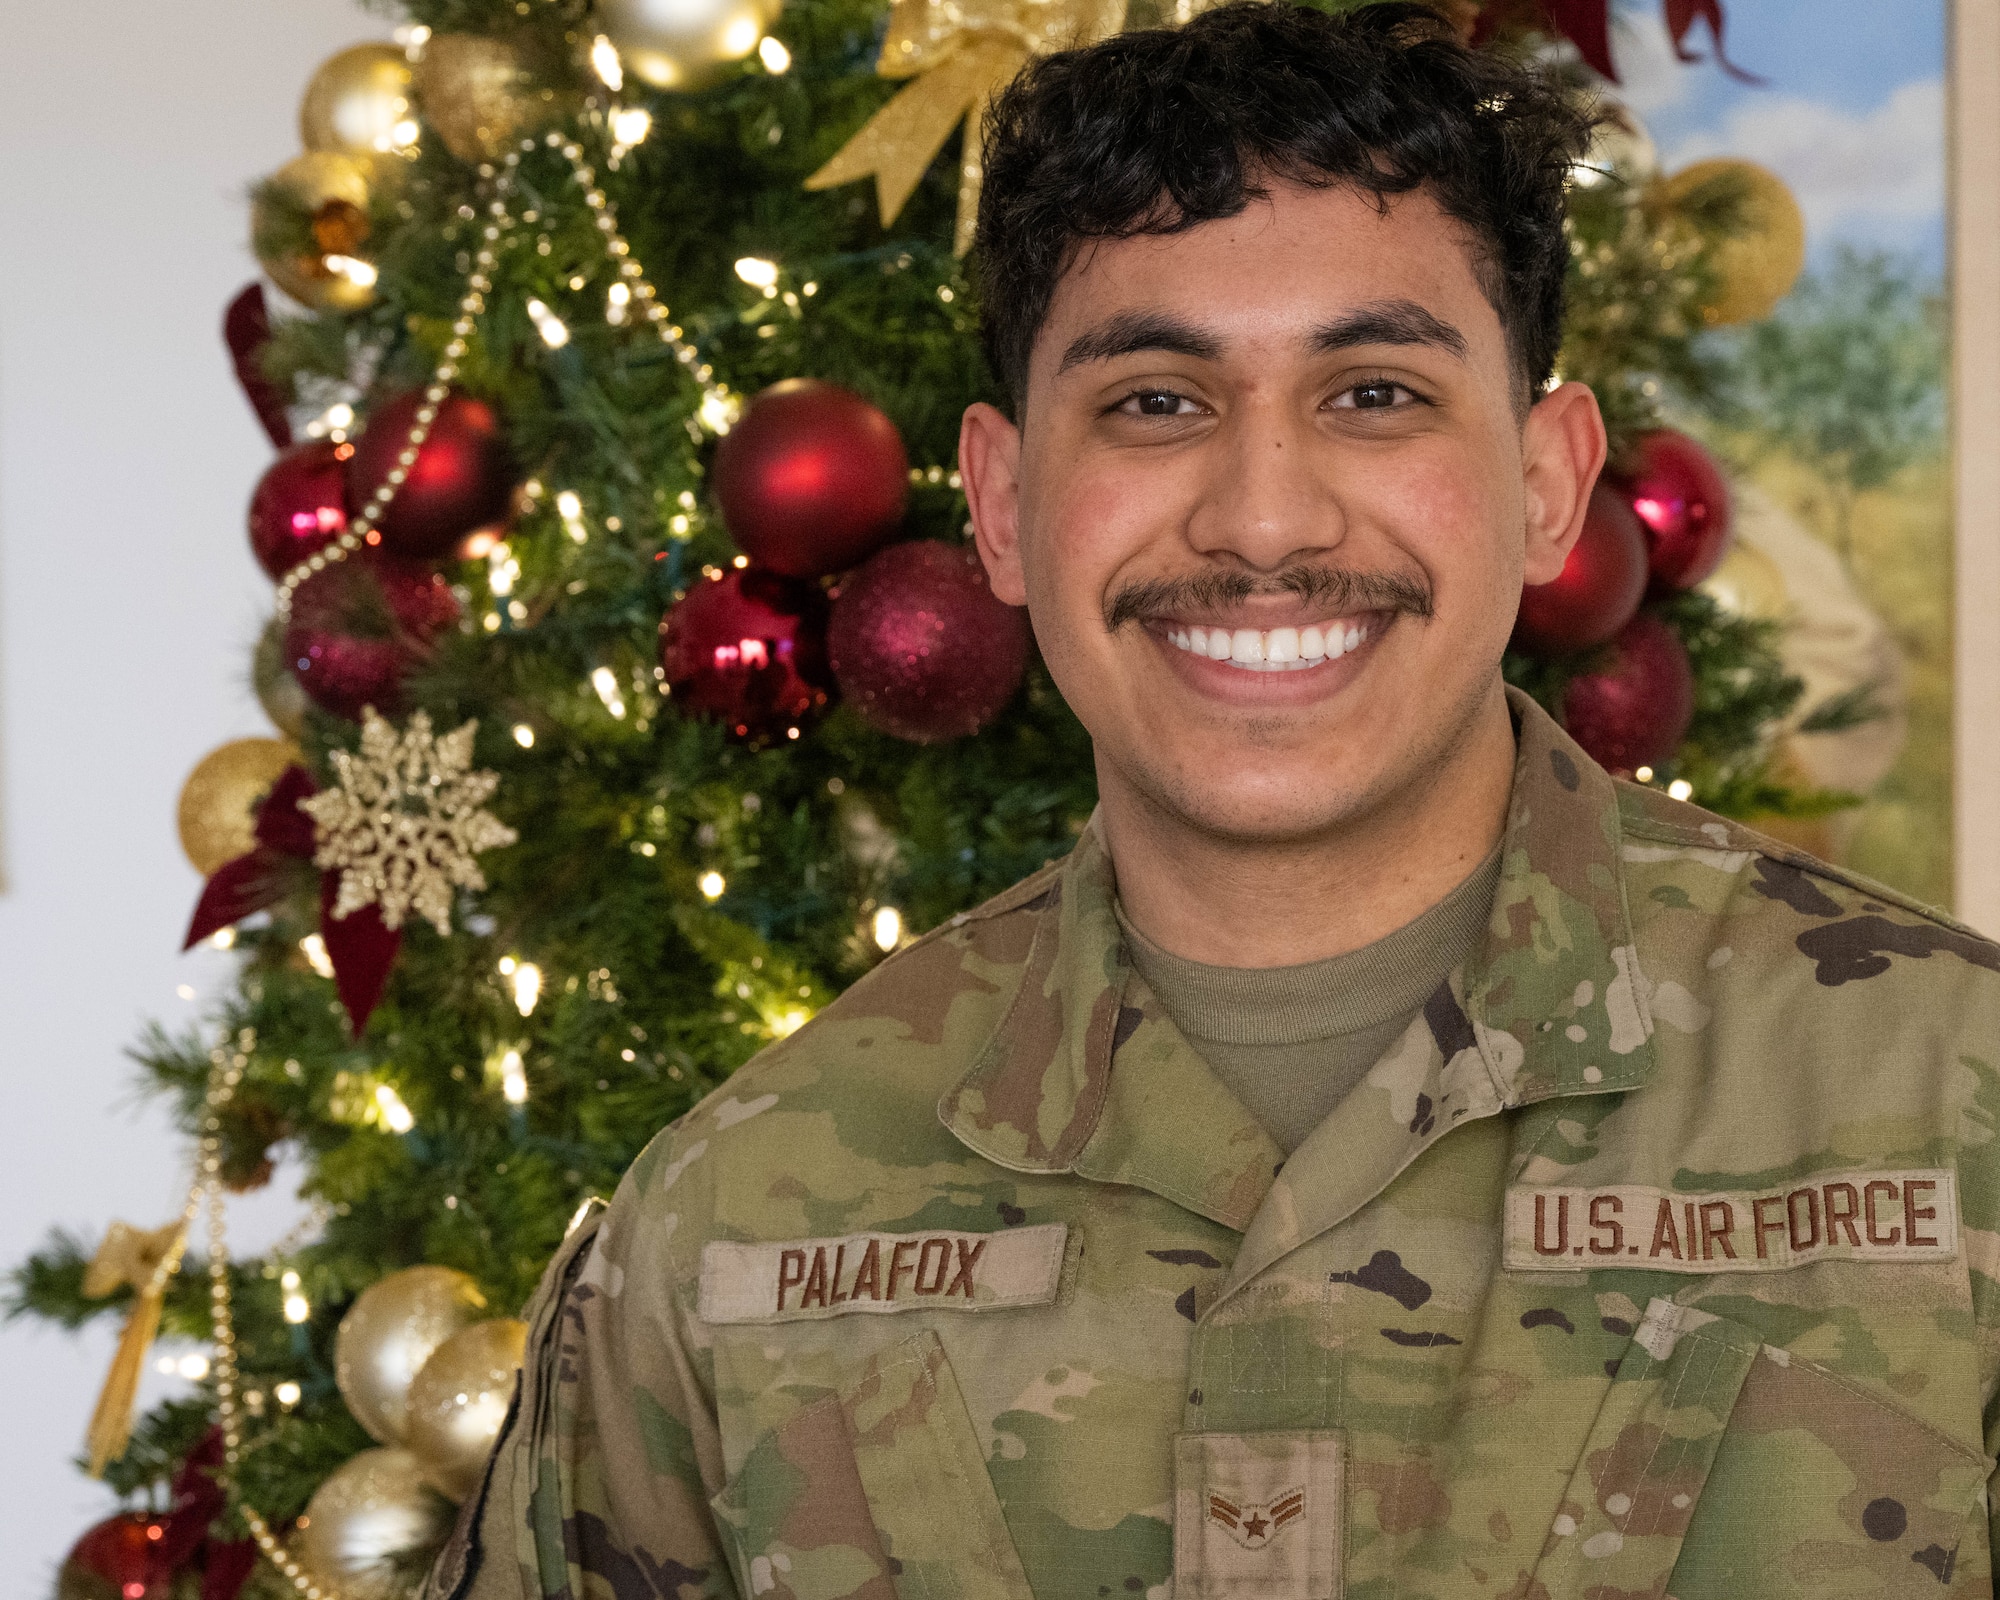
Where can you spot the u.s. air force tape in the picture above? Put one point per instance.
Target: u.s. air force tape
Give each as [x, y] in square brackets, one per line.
[939, 1270]
[1907, 1215]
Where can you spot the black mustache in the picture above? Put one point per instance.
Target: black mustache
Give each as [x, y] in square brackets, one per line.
[1334, 588]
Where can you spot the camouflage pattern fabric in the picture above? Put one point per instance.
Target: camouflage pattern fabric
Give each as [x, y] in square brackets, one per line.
[1660, 1257]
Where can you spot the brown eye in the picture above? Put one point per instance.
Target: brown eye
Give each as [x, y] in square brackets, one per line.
[1157, 403]
[1375, 396]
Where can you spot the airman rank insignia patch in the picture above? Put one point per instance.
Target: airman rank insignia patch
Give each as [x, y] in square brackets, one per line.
[804, 1279]
[1909, 1215]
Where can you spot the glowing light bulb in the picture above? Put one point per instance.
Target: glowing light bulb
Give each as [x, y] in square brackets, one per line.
[605, 682]
[513, 1078]
[361, 274]
[404, 134]
[298, 1308]
[395, 1115]
[289, 1282]
[711, 885]
[527, 986]
[1680, 789]
[790, 1023]
[223, 939]
[719, 410]
[630, 125]
[552, 328]
[507, 965]
[740, 37]
[888, 928]
[776, 57]
[289, 1393]
[524, 736]
[757, 272]
[313, 948]
[1643, 775]
[604, 60]
[193, 1368]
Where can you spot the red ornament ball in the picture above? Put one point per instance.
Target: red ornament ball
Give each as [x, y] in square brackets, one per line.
[299, 507]
[1634, 710]
[131, 1556]
[920, 646]
[748, 648]
[811, 480]
[1681, 497]
[1598, 589]
[461, 481]
[357, 629]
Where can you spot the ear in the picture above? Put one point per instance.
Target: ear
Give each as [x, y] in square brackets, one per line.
[989, 465]
[1562, 451]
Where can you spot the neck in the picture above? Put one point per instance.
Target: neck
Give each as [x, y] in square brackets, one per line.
[1233, 901]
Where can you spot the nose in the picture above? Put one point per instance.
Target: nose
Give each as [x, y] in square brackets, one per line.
[1266, 501]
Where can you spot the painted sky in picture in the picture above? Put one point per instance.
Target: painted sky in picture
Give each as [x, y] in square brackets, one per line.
[1851, 113]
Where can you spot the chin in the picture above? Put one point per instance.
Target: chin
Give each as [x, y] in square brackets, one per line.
[1258, 814]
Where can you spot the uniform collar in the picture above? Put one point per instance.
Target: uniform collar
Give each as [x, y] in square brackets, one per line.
[1551, 1003]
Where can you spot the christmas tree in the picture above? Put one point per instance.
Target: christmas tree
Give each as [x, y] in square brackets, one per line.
[638, 691]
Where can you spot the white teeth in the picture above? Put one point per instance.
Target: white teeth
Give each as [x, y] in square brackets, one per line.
[1276, 650]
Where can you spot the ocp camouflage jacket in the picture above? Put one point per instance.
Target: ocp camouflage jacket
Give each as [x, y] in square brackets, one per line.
[1659, 1257]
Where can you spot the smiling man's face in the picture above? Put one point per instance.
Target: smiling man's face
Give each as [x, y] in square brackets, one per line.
[1271, 507]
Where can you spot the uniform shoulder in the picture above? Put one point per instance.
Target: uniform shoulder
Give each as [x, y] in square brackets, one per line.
[884, 1051]
[1647, 817]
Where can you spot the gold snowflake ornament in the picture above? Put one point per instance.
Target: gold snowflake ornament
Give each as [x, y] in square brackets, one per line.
[404, 820]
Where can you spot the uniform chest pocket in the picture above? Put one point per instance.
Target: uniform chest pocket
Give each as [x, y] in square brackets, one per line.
[879, 1492]
[1719, 1467]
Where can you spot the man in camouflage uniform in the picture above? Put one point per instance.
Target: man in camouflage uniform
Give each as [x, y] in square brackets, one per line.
[1656, 1251]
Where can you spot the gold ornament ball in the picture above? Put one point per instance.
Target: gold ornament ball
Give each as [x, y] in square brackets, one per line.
[277, 687]
[389, 1333]
[218, 808]
[317, 205]
[460, 1399]
[1755, 266]
[477, 94]
[368, 1525]
[682, 44]
[358, 103]
[1748, 584]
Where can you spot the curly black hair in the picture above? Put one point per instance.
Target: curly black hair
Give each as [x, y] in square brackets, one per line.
[1154, 131]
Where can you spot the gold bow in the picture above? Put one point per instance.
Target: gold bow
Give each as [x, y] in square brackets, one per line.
[961, 52]
[146, 1261]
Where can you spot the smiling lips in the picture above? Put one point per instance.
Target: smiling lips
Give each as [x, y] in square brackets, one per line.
[1272, 649]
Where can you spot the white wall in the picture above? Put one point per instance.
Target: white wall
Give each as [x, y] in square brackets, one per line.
[127, 603]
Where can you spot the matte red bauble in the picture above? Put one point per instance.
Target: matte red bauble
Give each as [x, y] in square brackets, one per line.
[1635, 710]
[129, 1556]
[1681, 497]
[1598, 589]
[811, 480]
[461, 481]
[748, 648]
[299, 507]
[920, 646]
[359, 627]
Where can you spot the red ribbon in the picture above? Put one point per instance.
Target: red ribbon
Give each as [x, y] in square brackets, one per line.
[1587, 25]
[246, 329]
[360, 945]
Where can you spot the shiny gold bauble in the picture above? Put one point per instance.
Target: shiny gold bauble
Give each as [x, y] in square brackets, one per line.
[277, 686]
[460, 1399]
[477, 94]
[367, 1528]
[1757, 264]
[329, 192]
[389, 1333]
[358, 103]
[218, 809]
[1749, 584]
[682, 44]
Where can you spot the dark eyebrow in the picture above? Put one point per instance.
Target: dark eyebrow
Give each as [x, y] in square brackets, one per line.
[1388, 322]
[1132, 331]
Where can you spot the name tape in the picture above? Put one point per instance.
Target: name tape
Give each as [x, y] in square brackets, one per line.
[803, 1279]
[1845, 1216]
